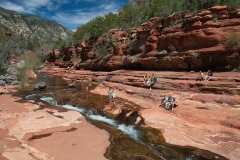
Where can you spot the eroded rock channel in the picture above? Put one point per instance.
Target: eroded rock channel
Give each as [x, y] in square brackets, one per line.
[129, 136]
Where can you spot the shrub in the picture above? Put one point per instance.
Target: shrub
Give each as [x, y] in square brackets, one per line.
[101, 50]
[238, 69]
[28, 62]
[214, 17]
[76, 59]
[233, 40]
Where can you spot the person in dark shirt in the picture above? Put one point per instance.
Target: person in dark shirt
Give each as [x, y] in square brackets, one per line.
[209, 75]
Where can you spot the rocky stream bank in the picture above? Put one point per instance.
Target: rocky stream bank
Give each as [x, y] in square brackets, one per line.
[207, 116]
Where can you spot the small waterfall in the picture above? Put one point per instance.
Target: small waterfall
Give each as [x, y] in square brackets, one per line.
[155, 150]
[31, 96]
[49, 100]
[129, 130]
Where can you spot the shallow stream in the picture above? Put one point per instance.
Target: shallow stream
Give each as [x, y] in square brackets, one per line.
[127, 141]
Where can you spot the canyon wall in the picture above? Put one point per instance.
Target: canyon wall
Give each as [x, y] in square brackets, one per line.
[207, 40]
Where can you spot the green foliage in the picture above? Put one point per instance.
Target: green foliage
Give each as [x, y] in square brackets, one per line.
[100, 50]
[214, 17]
[23, 81]
[233, 40]
[238, 69]
[28, 62]
[76, 59]
[233, 4]
[176, 22]
[135, 12]
[96, 27]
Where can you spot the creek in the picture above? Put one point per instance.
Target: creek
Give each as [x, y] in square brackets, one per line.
[128, 141]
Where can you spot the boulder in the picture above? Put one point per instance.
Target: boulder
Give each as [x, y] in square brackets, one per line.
[41, 85]
[2, 82]
[71, 85]
[31, 75]
[14, 82]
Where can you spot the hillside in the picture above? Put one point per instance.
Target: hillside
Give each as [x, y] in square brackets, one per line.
[30, 25]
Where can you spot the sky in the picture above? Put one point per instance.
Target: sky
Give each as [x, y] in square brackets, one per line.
[69, 13]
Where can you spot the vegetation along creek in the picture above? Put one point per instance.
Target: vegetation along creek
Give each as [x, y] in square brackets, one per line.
[128, 141]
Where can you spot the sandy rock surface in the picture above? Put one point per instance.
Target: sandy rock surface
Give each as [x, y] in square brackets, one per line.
[28, 133]
[208, 113]
[205, 118]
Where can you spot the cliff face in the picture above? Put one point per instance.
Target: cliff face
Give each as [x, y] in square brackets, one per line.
[176, 42]
[30, 25]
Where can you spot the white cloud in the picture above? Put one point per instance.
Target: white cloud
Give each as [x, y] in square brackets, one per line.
[69, 18]
[82, 16]
[36, 3]
[111, 6]
[12, 6]
[78, 17]
[25, 6]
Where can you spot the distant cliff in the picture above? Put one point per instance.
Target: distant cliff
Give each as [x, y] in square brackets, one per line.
[30, 26]
[208, 40]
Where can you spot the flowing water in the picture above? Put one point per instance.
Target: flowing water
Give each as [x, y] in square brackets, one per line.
[127, 141]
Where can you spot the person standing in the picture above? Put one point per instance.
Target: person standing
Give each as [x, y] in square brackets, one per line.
[110, 94]
[82, 83]
[114, 94]
[5, 88]
[87, 88]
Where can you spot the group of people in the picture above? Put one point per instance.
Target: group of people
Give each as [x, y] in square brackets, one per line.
[207, 78]
[112, 94]
[168, 103]
[149, 80]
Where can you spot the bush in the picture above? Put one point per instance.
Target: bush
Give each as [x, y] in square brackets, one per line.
[238, 69]
[28, 62]
[214, 17]
[76, 59]
[101, 50]
[233, 40]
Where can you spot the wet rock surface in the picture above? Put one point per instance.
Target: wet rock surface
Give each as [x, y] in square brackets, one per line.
[41, 85]
[207, 116]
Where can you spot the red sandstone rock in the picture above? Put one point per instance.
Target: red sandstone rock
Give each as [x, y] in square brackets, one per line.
[7, 34]
[204, 13]
[31, 75]
[189, 35]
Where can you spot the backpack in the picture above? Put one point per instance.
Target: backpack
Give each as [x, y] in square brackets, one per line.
[154, 80]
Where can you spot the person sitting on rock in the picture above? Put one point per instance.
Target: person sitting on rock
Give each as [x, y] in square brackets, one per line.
[169, 102]
[72, 84]
[173, 104]
[146, 79]
[210, 74]
[164, 101]
[200, 76]
[153, 81]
